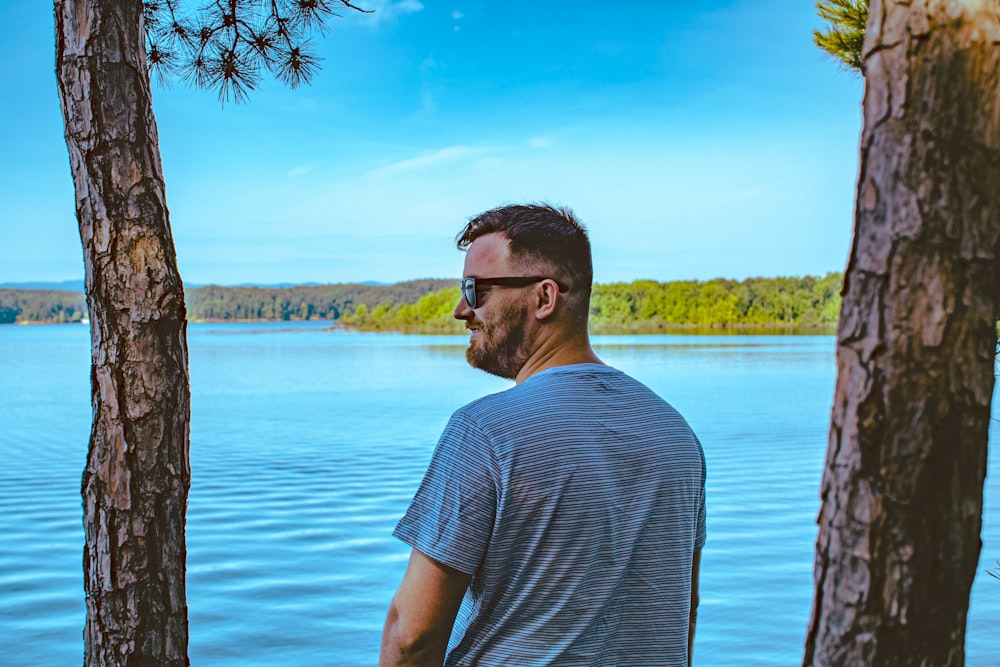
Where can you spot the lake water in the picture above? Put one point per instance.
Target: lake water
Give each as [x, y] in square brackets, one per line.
[306, 446]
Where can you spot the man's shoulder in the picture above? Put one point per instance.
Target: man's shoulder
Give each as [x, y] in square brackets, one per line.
[575, 384]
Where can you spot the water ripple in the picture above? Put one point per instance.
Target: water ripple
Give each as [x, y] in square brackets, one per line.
[307, 446]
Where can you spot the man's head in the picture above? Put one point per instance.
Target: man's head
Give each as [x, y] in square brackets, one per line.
[543, 241]
[546, 247]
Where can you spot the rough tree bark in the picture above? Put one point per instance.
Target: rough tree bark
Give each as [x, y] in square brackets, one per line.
[902, 487]
[137, 475]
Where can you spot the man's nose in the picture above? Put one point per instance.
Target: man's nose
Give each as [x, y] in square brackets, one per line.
[462, 310]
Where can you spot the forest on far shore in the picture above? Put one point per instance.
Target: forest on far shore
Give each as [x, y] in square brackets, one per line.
[426, 306]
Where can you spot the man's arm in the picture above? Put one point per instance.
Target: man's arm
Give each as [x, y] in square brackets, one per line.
[692, 621]
[422, 613]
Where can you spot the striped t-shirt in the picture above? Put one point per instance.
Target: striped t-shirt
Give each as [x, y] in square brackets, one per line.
[575, 500]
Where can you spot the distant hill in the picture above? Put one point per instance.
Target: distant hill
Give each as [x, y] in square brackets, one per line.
[41, 305]
[78, 286]
[301, 302]
[63, 286]
[427, 305]
[64, 302]
[311, 283]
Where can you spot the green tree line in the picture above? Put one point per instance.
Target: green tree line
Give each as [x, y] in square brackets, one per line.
[431, 313]
[216, 303]
[426, 306]
[22, 305]
[300, 302]
[647, 305]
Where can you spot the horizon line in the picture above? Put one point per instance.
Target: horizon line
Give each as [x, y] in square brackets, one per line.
[78, 285]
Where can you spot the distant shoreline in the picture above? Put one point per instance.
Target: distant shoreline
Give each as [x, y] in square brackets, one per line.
[756, 305]
[639, 330]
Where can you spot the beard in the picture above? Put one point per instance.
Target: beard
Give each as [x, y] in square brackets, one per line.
[499, 349]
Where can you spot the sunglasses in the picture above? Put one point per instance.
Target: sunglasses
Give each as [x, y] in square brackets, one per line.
[470, 286]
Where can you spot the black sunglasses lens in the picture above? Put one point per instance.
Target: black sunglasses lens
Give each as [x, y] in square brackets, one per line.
[469, 290]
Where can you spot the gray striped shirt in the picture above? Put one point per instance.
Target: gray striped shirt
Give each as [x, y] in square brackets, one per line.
[575, 500]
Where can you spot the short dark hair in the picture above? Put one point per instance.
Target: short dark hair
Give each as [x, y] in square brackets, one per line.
[543, 234]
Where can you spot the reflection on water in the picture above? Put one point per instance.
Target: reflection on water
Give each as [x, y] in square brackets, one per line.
[306, 447]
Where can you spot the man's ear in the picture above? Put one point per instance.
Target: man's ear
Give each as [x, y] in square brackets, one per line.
[548, 299]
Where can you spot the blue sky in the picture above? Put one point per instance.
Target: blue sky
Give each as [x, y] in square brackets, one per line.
[695, 140]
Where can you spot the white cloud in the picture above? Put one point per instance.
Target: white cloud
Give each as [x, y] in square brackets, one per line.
[300, 171]
[457, 15]
[438, 157]
[703, 208]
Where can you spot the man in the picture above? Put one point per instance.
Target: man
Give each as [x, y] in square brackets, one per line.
[561, 521]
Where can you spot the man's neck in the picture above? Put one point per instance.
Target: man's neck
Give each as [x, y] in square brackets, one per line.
[553, 353]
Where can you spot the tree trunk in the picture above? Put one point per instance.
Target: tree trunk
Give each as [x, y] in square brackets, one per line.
[899, 526]
[137, 476]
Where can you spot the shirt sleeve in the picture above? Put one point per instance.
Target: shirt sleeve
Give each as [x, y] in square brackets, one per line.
[450, 519]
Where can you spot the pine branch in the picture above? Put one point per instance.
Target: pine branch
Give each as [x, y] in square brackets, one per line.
[844, 35]
[226, 45]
